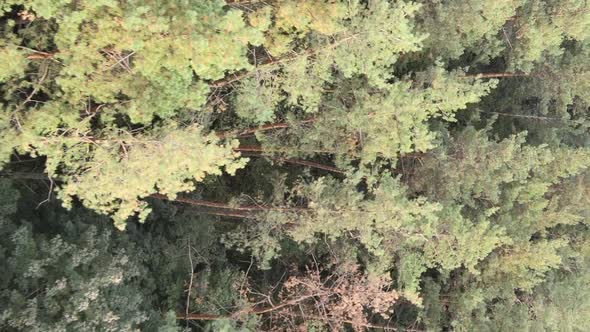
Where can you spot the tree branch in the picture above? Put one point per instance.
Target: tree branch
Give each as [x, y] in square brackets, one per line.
[258, 311]
[546, 118]
[190, 285]
[272, 126]
[198, 202]
[266, 310]
[258, 148]
[272, 61]
[244, 208]
[313, 165]
[498, 75]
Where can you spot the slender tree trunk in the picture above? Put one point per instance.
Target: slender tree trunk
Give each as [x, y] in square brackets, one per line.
[255, 311]
[498, 75]
[224, 206]
[217, 205]
[258, 148]
[271, 126]
[313, 165]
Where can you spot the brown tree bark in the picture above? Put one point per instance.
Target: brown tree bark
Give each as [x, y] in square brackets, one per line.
[271, 126]
[498, 75]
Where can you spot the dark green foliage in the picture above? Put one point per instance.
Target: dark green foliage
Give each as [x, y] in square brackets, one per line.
[72, 272]
[289, 165]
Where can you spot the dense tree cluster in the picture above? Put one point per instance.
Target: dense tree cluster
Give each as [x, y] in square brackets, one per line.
[295, 165]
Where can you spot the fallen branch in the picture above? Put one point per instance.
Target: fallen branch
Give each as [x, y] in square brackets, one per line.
[240, 216]
[330, 168]
[546, 118]
[258, 148]
[223, 206]
[272, 126]
[253, 311]
[37, 54]
[192, 274]
[370, 326]
[313, 165]
[210, 317]
[198, 202]
[498, 75]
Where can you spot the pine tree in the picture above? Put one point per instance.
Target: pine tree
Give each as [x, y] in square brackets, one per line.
[300, 165]
[519, 189]
[74, 275]
[102, 86]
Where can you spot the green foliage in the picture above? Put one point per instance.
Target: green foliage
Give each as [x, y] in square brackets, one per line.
[87, 277]
[455, 132]
[97, 170]
[544, 28]
[363, 42]
[257, 98]
[107, 64]
[563, 296]
[396, 122]
[228, 325]
[13, 63]
[559, 304]
[97, 39]
[381, 34]
[170, 161]
[422, 234]
[459, 27]
[520, 190]
[369, 124]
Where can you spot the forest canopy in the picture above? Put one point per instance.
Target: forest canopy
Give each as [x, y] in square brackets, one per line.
[295, 165]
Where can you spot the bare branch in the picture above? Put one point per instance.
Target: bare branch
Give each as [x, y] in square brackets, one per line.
[272, 126]
[190, 285]
[498, 75]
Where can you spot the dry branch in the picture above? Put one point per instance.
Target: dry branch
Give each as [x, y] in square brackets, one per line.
[258, 148]
[223, 206]
[313, 165]
[498, 75]
[272, 126]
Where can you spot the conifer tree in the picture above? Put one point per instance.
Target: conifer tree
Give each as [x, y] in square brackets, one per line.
[69, 272]
[298, 164]
[101, 87]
